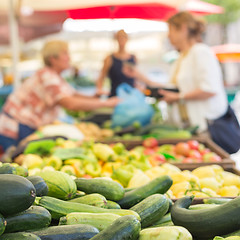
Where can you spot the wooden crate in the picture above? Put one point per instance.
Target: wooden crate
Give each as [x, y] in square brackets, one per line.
[226, 162]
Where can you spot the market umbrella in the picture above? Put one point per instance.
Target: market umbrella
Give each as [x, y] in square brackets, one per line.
[53, 5]
[32, 26]
[227, 52]
[150, 10]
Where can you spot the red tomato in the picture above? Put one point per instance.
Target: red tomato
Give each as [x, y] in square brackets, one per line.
[211, 157]
[194, 154]
[193, 144]
[150, 142]
[148, 151]
[204, 151]
[182, 148]
[157, 159]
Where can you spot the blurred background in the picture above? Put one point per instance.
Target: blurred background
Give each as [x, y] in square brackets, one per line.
[89, 29]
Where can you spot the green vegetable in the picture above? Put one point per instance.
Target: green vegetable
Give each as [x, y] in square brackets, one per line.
[65, 207]
[19, 236]
[41, 147]
[39, 184]
[165, 233]
[158, 185]
[110, 189]
[207, 223]
[68, 153]
[151, 209]
[35, 217]
[3, 224]
[17, 194]
[93, 199]
[67, 232]
[97, 220]
[126, 227]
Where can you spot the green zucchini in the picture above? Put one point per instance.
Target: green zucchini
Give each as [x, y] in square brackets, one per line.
[151, 209]
[7, 168]
[39, 184]
[110, 189]
[216, 200]
[67, 232]
[2, 224]
[65, 207]
[163, 219]
[35, 217]
[158, 185]
[207, 223]
[202, 206]
[19, 236]
[124, 228]
[112, 205]
[98, 220]
[93, 199]
[17, 194]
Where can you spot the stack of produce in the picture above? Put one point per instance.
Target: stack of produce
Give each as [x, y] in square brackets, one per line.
[101, 208]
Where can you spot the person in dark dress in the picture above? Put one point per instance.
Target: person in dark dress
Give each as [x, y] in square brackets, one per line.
[117, 67]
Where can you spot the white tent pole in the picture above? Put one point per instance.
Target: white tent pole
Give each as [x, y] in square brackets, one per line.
[14, 39]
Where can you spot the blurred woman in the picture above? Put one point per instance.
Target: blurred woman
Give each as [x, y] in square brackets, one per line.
[202, 100]
[118, 67]
[37, 101]
[196, 73]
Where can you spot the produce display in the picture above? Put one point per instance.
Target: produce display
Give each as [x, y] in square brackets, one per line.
[146, 211]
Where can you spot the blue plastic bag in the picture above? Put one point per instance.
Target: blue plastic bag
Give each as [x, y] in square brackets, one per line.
[132, 108]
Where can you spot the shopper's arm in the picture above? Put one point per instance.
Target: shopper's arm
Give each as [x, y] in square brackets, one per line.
[196, 94]
[87, 104]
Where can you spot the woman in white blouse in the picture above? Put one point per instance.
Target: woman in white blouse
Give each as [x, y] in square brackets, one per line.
[196, 73]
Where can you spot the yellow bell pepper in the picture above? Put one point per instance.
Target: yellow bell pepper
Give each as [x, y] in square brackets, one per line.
[103, 152]
[138, 179]
[229, 191]
[211, 183]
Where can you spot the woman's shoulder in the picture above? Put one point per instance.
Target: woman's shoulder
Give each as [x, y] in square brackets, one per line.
[200, 48]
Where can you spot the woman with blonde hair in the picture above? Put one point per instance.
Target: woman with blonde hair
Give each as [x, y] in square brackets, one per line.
[37, 101]
[201, 100]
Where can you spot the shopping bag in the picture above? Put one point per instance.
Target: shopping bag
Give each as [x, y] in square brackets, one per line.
[225, 131]
[132, 108]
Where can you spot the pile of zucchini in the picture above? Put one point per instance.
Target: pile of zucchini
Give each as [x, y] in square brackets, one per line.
[54, 206]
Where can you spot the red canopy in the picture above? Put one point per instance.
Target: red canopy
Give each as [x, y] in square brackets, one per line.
[151, 11]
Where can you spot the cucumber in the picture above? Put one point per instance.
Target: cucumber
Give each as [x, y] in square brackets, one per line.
[35, 217]
[7, 168]
[97, 220]
[202, 206]
[163, 219]
[19, 236]
[112, 205]
[158, 185]
[65, 207]
[2, 224]
[93, 199]
[67, 232]
[110, 189]
[216, 200]
[17, 194]
[207, 223]
[151, 209]
[124, 228]
[39, 184]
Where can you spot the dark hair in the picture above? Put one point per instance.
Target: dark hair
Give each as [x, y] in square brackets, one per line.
[196, 26]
